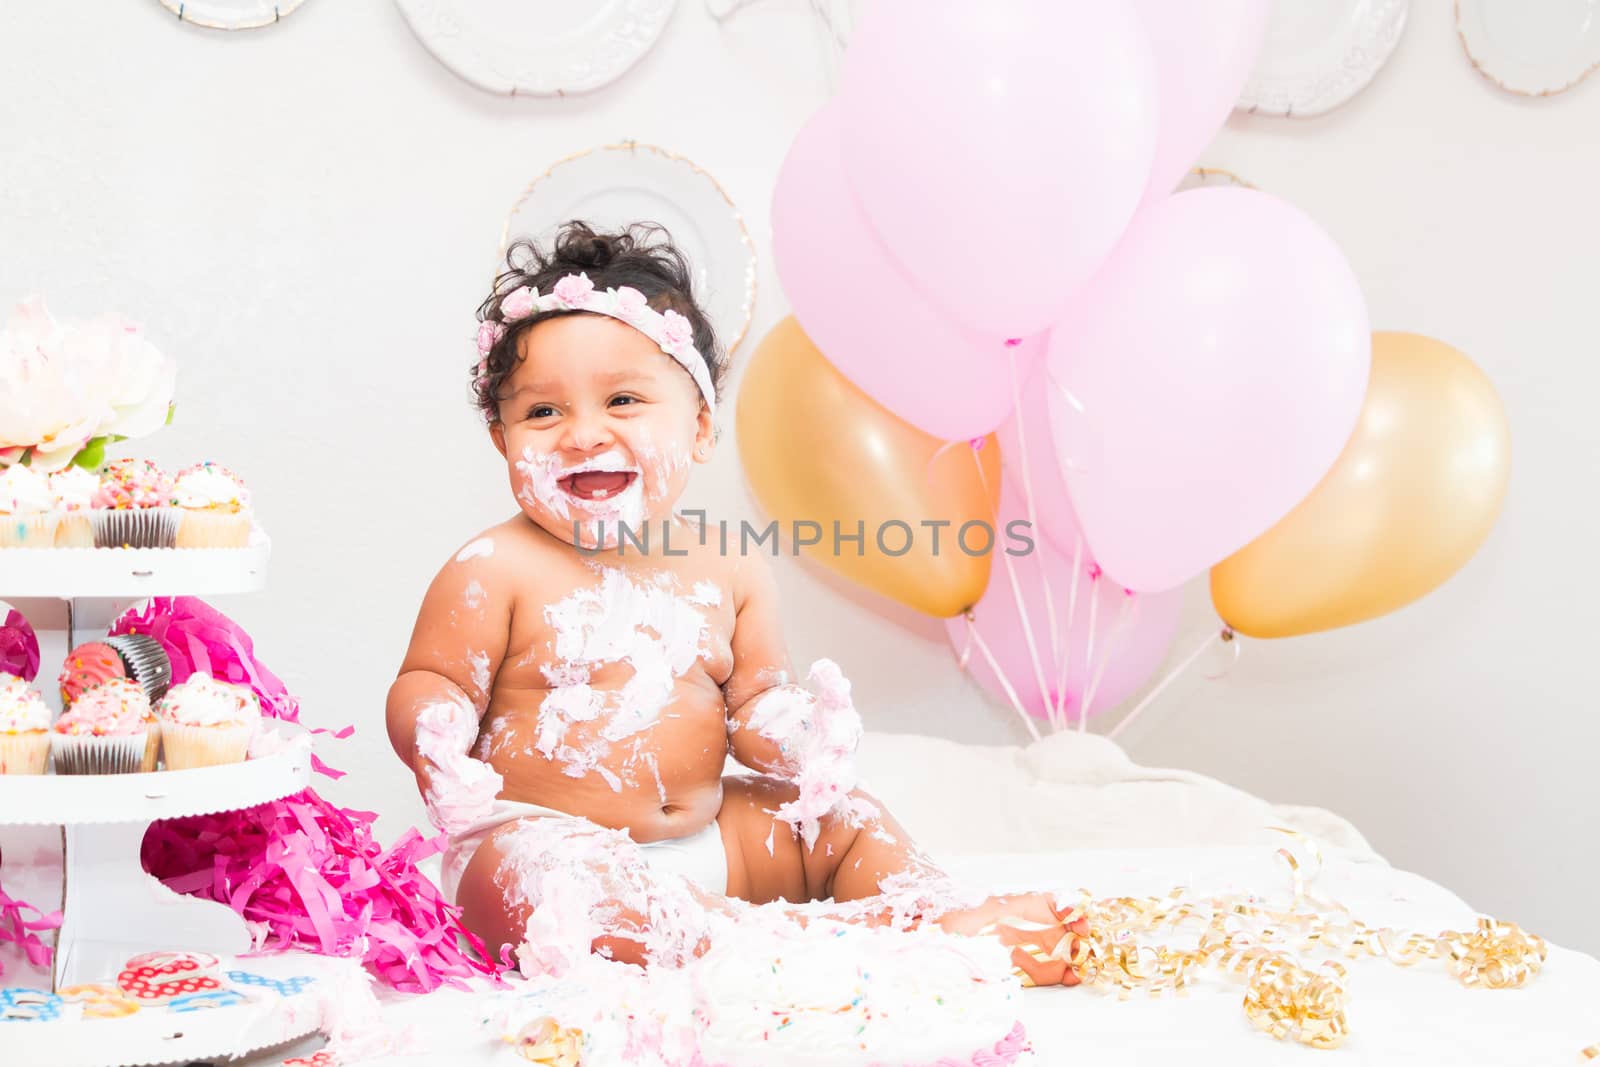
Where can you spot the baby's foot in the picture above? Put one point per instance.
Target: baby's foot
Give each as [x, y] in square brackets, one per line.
[1048, 943]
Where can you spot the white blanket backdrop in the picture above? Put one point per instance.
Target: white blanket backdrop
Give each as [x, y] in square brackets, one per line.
[304, 216]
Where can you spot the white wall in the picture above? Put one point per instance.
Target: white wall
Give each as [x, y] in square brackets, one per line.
[304, 216]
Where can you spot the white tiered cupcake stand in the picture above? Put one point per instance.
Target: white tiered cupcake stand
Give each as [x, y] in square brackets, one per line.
[112, 909]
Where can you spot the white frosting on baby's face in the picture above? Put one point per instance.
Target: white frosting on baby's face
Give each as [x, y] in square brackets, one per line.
[593, 394]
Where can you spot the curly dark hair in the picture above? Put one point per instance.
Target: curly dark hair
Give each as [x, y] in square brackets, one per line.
[640, 255]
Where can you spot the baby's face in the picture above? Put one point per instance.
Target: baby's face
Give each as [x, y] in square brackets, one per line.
[598, 427]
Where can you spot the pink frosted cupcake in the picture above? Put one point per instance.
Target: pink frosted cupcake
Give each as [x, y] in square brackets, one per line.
[24, 728]
[205, 722]
[213, 507]
[73, 490]
[27, 509]
[105, 731]
[133, 507]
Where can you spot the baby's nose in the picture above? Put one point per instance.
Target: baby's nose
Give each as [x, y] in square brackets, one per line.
[585, 433]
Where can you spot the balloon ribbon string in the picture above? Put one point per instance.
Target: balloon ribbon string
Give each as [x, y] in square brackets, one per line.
[1126, 613]
[1016, 594]
[1005, 683]
[1224, 634]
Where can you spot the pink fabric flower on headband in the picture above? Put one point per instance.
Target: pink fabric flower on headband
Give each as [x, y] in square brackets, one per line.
[488, 334]
[630, 301]
[573, 289]
[518, 304]
[675, 328]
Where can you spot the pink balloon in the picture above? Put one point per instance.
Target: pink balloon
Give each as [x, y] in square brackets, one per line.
[865, 315]
[1028, 457]
[999, 149]
[1220, 361]
[1131, 632]
[1204, 53]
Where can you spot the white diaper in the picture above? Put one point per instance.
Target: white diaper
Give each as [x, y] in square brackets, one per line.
[699, 857]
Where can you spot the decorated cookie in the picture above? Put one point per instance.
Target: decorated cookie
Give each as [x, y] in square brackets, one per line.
[29, 1005]
[284, 987]
[221, 998]
[159, 977]
[100, 1001]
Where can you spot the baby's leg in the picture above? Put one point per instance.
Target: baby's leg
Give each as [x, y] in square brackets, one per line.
[587, 889]
[857, 859]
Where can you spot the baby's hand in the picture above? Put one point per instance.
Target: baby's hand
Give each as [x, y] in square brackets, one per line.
[457, 789]
[817, 733]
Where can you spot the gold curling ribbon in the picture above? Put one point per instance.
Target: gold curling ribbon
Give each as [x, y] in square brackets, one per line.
[549, 1044]
[1248, 939]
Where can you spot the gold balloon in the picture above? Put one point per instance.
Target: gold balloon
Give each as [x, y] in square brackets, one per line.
[817, 448]
[1411, 498]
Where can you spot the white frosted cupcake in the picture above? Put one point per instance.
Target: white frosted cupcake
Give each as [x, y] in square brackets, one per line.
[214, 507]
[205, 722]
[73, 490]
[27, 509]
[24, 728]
[105, 731]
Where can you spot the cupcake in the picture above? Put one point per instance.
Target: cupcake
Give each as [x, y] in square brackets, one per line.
[105, 731]
[73, 490]
[205, 722]
[213, 507]
[133, 656]
[133, 507]
[24, 728]
[27, 509]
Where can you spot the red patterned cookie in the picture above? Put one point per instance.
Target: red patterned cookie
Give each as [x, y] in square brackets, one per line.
[157, 977]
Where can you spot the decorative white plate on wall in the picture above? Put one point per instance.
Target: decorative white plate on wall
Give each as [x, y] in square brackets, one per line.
[537, 47]
[616, 184]
[1531, 47]
[231, 14]
[1319, 53]
[1201, 177]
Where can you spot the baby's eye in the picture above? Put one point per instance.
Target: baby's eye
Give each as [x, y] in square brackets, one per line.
[541, 411]
[624, 397]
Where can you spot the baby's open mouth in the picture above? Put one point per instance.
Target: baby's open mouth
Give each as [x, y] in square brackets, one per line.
[597, 485]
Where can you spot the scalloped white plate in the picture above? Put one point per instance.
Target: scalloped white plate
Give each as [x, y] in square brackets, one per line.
[1531, 47]
[231, 14]
[631, 182]
[537, 47]
[1320, 53]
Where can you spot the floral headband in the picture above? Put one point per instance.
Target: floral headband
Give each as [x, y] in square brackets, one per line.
[575, 292]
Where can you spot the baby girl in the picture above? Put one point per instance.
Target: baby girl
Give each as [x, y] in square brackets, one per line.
[579, 673]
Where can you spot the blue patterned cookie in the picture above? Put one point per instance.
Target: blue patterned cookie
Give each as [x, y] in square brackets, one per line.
[284, 987]
[29, 1005]
[222, 998]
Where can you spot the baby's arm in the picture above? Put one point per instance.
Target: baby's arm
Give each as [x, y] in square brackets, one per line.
[444, 685]
[761, 671]
[779, 727]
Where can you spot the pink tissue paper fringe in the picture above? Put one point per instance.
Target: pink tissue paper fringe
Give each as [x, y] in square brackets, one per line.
[19, 648]
[307, 874]
[22, 932]
[302, 871]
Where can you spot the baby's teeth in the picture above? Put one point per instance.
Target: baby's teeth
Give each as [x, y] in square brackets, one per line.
[601, 494]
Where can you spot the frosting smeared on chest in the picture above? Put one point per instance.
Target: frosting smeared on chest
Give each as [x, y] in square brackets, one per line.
[642, 624]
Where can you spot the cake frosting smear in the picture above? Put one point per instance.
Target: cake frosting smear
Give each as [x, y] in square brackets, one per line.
[771, 992]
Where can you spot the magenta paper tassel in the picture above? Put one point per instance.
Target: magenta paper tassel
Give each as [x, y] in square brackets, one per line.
[309, 875]
[22, 931]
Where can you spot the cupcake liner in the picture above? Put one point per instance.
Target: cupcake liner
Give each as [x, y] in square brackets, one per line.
[74, 530]
[135, 527]
[145, 661]
[204, 746]
[88, 754]
[33, 529]
[152, 746]
[27, 752]
[207, 528]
